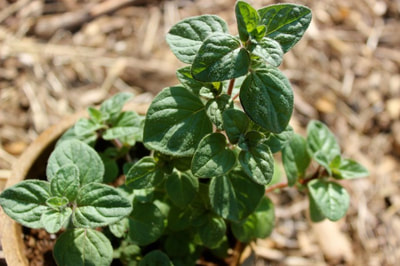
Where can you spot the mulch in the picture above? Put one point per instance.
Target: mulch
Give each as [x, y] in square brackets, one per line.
[57, 57]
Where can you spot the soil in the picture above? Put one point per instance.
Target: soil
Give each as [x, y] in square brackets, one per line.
[345, 72]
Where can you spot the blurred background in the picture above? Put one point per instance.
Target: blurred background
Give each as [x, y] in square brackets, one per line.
[58, 57]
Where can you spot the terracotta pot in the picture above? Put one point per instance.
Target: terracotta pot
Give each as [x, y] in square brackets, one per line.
[31, 163]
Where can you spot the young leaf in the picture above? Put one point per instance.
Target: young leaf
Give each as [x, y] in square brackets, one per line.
[186, 37]
[215, 108]
[65, 182]
[348, 169]
[113, 105]
[155, 257]
[213, 157]
[220, 58]
[53, 220]
[185, 77]
[330, 198]
[85, 127]
[269, 50]
[257, 161]
[83, 247]
[322, 159]
[84, 157]
[120, 228]
[129, 124]
[144, 174]
[57, 202]
[285, 23]
[212, 232]
[26, 201]
[89, 139]
[96, 115]
[247, 19]
[315, 213]
[181, 188]
[176, 122]
[295, 158]
[146, 223]
[321, 139]
[258, 225]
[235, 124]
[223, 198]
[267, 98]
[99, 205]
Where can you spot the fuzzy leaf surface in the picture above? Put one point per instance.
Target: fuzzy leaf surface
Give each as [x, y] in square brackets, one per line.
[212, 232]
[186, 37]
[155, 257]
[83, 247]
[269, 50]
[99, 205]
[84, 157]
[321, 139]
[144, 174]
[235, 123]
[267, 98]
[181, 188]
[176, 122]
[215, 108]
[330, 198]
[347, 169]
[247, 19]
[66, 182]
[129, 124]
[285, 23]
[146, 223]
[295, 158]
[113, 106]
[53, 220]
[220, 58]
[213, 157]
[26, 201]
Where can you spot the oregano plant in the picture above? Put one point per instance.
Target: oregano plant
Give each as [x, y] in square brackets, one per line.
[194, 174]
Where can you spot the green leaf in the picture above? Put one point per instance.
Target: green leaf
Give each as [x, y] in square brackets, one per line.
[235, 123]
[179, 219]
[120, 228]
[258, 225]
[220, 57]
[96, 115]
[285, 23]
[330, 198]
[321, 139]
[89, 139]
[347, 169]
[212, 232]
[57, 202]
[276, 142]
[186, 37]
[85, 127]
[315, 213]
[66, 182]
[129, 124]
[176, 122]
[144, 174]
[322, 159]
[84, 157]
[53, 220]
[81, 247]
[269, 50]
[26, 201]
[146, 223]
[215, 108]
[267, 98]
[181, 188]
[213, 157]
[155, 257]
[111, 169]
[247, 193]
[295, 159]
[185, 77]
[113, 106]
[223, 198]
[99, 205]
[257, 161]
[247, 19]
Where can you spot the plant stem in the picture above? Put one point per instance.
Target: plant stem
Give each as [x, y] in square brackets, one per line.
[276, 186]
[230, 87]
[119, 145]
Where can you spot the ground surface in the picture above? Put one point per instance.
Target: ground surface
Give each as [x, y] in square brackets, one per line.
[345, 72]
